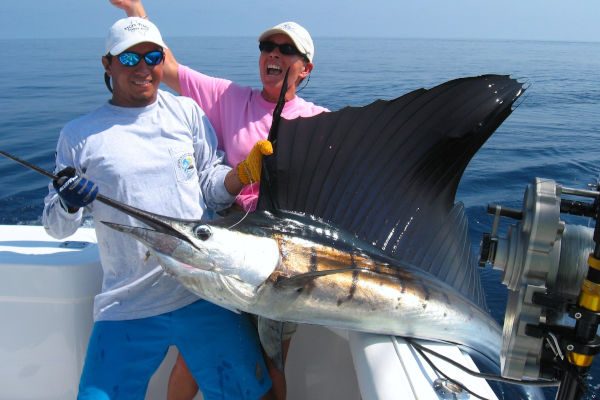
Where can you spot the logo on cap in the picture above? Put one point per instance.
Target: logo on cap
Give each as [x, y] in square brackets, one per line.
[137, 27]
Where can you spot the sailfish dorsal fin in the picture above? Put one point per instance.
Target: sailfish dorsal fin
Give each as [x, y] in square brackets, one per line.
[388, 172]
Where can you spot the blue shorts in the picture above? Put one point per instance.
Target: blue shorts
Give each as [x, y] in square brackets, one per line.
[220, 348]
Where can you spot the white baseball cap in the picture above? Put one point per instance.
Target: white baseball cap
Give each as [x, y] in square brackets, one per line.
[297, 33]
[130, 31]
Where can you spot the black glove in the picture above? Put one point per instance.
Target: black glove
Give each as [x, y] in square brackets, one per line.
[75, 191]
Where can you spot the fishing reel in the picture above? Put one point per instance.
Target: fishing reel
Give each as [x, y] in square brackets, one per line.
[552, 271]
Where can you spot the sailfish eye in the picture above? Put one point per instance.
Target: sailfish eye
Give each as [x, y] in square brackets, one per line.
[202, 232]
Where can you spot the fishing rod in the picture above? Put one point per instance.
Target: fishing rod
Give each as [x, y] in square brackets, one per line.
[28, 165]
[266, 181]
[272, 137]
[101, 198]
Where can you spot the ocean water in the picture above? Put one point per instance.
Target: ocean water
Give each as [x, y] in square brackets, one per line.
[554, 133]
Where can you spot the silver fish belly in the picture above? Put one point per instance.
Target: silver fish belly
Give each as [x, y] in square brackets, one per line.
[319, 284]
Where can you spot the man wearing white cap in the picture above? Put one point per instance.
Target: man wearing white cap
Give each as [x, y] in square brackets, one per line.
[241, 116]
[157, 152]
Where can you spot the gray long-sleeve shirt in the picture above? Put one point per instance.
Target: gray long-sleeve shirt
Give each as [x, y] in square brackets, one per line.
[161, 158]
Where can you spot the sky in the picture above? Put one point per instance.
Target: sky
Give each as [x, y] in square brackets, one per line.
[553, 20]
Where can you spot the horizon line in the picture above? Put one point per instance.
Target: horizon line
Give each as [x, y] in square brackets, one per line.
[324, 37]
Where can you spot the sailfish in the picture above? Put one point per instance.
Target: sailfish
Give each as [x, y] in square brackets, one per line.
[357, 226]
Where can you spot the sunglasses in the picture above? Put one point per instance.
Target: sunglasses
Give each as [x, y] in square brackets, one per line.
[285, 48]
[131, 59]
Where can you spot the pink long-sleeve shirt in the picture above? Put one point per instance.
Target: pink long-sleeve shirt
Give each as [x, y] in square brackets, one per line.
[240, 116]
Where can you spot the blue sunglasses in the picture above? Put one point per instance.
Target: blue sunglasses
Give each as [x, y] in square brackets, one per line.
[131, 59]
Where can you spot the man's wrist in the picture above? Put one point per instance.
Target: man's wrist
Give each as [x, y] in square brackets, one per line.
[66, 207]
[232, 182]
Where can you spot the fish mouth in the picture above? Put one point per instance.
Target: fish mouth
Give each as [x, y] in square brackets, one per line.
[161, 225]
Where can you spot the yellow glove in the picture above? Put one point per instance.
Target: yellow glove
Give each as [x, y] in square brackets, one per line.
[249, 169]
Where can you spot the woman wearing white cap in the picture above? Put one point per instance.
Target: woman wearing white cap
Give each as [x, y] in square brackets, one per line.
[241, 116]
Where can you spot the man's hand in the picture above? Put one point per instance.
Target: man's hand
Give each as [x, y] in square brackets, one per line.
[75, 191]
[249, 169]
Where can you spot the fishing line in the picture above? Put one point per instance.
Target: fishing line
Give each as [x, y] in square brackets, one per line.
[305, 83]
[251, 192]
[401, 359]
[554, 346]
[241, 219]
[490, 377]
[420, 349]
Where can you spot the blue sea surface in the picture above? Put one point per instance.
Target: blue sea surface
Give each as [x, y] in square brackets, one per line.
[554, 133]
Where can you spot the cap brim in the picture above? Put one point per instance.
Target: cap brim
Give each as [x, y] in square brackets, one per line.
[121, 47]
[271, 32]
[275, 31]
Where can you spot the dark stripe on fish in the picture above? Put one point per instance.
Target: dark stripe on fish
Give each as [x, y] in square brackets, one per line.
[354, 282]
